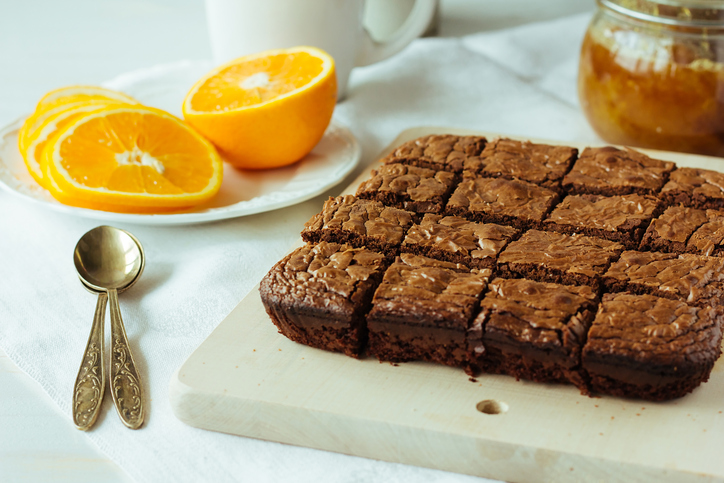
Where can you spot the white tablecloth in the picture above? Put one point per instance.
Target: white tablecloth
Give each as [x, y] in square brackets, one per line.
[519, 81]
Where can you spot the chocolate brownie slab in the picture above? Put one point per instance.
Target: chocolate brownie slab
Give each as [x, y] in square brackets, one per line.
[438, 151]
[708, 239]
[458, 240]
[346, 219]
[556, 257]
[422, 309]
[650, 347]
[319, 294]
[507, 202]
[670, 231]
[532, 330]
[694, 279]
[415, 189]
[623, 219]
[611, 171]
[698, 188]
[541, 164]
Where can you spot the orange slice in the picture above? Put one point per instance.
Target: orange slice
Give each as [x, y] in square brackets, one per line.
[131, 159]
[56, 120]
[69, 94]
[35, 121]
[265, 110]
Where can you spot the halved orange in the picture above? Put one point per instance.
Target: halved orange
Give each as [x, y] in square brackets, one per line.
[131, 159]
[65, 95]
[265, 110]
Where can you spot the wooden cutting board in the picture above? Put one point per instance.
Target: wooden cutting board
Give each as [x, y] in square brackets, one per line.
[247, 379]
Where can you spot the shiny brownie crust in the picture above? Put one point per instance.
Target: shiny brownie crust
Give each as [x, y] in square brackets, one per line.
[319, 294]
[649, 347]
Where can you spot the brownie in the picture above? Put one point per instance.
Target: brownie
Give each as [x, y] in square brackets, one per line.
[415, 189]
[623, 219]
[532, 330]
[611, 171]
[458, 240]
[422, 309]
[670, 231]
[694, 279]
[438, 151]
[698, 188]
[649, 347]
[319, 294]
[496, 200]
[708, 239]
[541, 164]
[346, 219]
[556, 257]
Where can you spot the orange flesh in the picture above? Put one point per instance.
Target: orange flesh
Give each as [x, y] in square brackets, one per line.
[262, 79]
[91, 155]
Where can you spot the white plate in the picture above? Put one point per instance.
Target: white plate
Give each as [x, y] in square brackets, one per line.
[242, 192]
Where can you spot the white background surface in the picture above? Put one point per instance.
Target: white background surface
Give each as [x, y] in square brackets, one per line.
[47, 44]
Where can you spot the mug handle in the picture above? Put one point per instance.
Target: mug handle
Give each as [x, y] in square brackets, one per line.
[417, 21]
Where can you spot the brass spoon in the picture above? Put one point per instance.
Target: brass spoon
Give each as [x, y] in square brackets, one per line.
[91, 380]
[108, 260]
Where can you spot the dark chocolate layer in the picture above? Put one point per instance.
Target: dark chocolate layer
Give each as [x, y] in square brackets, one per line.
[318, 295]
[650, 347]
[420, 300]
[532, 330]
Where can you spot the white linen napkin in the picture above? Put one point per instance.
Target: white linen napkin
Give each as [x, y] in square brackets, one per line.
[520, 81]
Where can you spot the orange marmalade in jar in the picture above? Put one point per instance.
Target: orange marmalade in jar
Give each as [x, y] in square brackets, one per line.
[652, 74]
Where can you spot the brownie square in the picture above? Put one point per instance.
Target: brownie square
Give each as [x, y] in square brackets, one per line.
[555, 257]
[319, 294]
[698, 188]
[694, 279]
[623, 219]
[458, 240]
[650, 347]
[611, 171]
[497, 200]
[532, 330]
[541, 164]
[422, 309]
[670, 231]
[438, 151]
[708, 239]
[346, 219]
[420, 190]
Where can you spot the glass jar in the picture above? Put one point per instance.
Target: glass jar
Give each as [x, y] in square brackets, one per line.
[652, 74]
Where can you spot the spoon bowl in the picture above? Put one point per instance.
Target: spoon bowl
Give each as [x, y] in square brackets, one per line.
[108, 258]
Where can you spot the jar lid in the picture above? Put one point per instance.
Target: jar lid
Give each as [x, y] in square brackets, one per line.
[694, 13]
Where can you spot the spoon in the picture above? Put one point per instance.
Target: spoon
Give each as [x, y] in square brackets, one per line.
[91, 380]
[108, 260]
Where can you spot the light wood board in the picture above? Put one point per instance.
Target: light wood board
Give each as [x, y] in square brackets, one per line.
[249, 380]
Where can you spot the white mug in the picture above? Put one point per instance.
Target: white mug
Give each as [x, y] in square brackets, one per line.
[241, 27]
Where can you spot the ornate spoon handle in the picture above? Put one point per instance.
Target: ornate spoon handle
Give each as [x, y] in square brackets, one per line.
[125, 382]
[91, 380]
